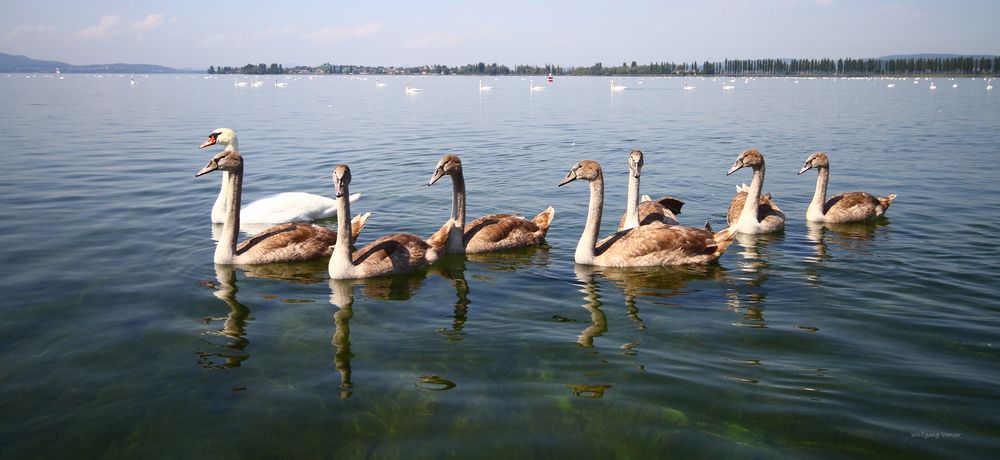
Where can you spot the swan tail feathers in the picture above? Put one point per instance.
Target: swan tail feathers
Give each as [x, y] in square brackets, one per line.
[725, 235]
[645, 198]
[544, 219]
[358, 223]
[671, 203]
[440, 237]
[723, 239]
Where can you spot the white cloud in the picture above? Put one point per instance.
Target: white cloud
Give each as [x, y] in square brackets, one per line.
[249, 38]
[30, 30]
[438, 38]
[151, 22]
[328, 35]
[104, 29]
[337, 34]
[113, 24]
[218, 39]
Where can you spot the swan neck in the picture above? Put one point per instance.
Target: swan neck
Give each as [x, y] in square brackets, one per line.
[753, 195]
[455, 243]
[819, 196]
[632, 207]
[588, 241]
[225, 250]
[219, 208]
[341, 266]
[458, 198]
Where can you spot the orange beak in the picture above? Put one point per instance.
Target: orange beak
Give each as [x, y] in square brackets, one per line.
[210, 141]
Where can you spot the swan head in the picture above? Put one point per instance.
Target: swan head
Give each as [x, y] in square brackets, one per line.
[222, 136]
[341, 178]
[635, 163]
[587, 170]
[749, 157]
[816, 160]
[448, 165]
[226, 160]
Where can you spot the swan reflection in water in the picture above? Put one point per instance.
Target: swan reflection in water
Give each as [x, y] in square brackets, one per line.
[397, 287]
[656, 282]
[855, 238]
[233, 324]
[653, 282]
[452, 267]
[514, 259]
[756, 252]
[842, 241]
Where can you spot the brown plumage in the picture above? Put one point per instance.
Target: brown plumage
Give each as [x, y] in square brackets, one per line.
[663, 210]
[751, 211]
[495, 232]
[660, 244]
[842, 208]
[399, 253]
[499, 232]
[646, 211]
[764, 209]
[648, 245]
[290, 242]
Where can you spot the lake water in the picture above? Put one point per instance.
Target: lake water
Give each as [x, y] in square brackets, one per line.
[120, 338]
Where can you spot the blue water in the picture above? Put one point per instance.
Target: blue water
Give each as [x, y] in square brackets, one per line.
[120, 338]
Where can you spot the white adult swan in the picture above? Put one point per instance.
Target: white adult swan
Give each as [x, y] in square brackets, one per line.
[648, 245]
[282, 207]
[750, 212]
[281, 243]
[647, 211]
[410, 90]
[483, 87]
[495, 232]
[615, 87]
[399, 253]
[842, 208]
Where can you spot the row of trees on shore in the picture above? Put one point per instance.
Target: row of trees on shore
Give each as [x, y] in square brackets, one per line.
[958, 65]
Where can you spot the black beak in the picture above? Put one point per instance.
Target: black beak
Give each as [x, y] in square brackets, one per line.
[736, 167]
[438, 173]
[569, 178]
[211, 166]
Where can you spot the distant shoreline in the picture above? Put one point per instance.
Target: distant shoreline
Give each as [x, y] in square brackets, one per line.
[925, 65]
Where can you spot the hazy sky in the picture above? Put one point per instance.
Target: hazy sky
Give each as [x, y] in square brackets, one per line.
[196, 34]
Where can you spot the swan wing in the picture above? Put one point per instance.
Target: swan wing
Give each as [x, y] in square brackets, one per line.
[399, 253]
[736, 207]
[287, 243]
[852, 207]
[659, 244]
[291, 207]
[497, 232]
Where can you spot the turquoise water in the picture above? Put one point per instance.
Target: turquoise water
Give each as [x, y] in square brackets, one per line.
[120, 338]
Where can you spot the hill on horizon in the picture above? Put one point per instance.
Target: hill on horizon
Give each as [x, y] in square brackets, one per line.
[20, 63]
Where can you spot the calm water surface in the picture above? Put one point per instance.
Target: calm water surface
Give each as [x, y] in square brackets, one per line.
[120, 338]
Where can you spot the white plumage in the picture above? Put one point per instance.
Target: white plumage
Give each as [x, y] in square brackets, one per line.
[273, 209]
